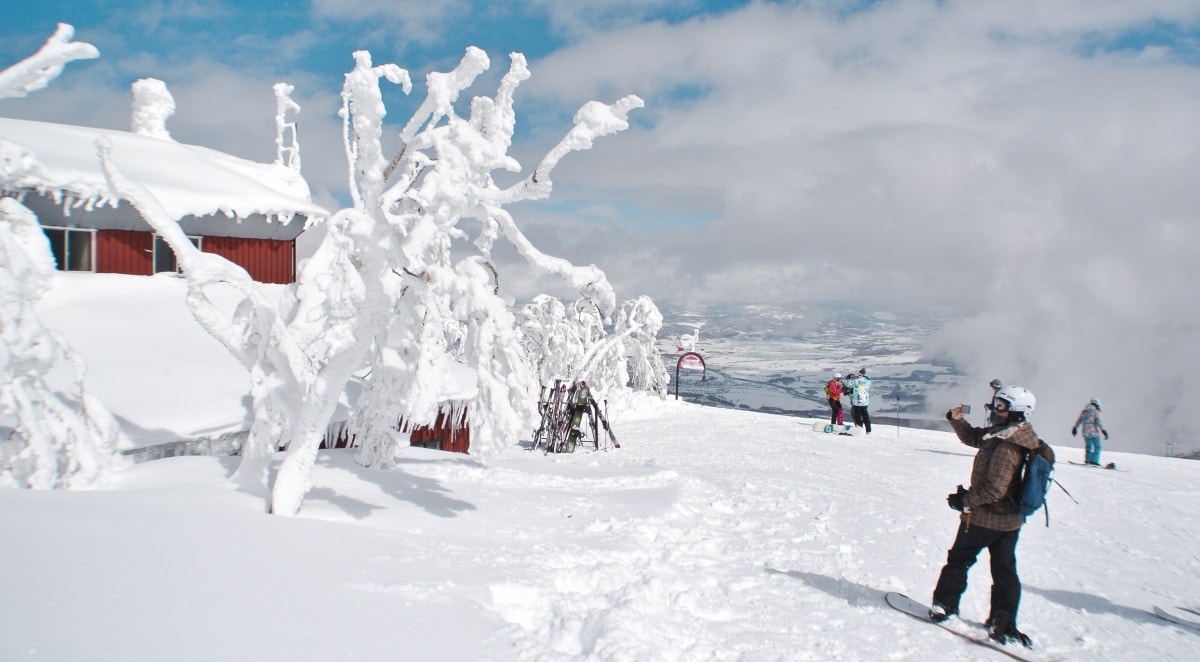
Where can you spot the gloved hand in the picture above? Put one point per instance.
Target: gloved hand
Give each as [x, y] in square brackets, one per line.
[955, 500]
[1074, 432]
[1105, 434]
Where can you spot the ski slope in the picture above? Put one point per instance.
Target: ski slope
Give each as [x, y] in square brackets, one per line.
[711, 534]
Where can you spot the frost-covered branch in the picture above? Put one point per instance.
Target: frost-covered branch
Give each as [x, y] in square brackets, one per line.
[592, 121]
[589, 280]
[287, 152]
[36, 71]
[202, 269]
[362, 115]
[442, 90]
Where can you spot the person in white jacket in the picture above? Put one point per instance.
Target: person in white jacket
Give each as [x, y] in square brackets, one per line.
[860, 400]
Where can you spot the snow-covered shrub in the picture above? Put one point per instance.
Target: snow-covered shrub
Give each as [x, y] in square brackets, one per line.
[640, 321]
[575, 345]
[555, 340]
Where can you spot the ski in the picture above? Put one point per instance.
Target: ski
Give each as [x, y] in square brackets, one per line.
[1179, 616]
[552, 410]
[1111, 465]
[612, 438]
[907, 605]
[569, 417]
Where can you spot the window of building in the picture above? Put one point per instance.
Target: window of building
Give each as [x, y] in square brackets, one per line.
[73, 248]
[164, 257]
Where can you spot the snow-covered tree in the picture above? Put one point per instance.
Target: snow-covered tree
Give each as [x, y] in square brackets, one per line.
[382, 297]
[61, 436]
[53, 433]
[444, 180]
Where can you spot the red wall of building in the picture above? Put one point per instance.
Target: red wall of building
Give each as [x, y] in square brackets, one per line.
[450, 432]
[267, 260]
[454, 438]
[131, 252]
[124, 252]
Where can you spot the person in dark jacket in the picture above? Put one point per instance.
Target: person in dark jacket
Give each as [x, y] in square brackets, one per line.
[988, 519]
[996, 385]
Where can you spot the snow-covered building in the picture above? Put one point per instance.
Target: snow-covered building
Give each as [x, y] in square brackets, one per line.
[247, 212]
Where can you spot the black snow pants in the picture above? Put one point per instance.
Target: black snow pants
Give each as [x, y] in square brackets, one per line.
[1006, 585]
[861, 417]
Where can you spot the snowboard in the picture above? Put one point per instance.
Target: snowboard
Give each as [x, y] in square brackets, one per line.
[1111, 465]
[903, 603]
[831, 428]
[1179, 615]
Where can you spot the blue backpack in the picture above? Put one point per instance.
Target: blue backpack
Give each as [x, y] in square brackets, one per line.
[1035, 481]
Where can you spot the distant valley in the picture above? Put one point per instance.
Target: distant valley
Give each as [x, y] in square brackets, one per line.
[770, 359]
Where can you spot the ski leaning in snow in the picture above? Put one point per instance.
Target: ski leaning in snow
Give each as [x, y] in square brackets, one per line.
[1110, 465]
[901, 602]
[1180, 615]
[832, 428]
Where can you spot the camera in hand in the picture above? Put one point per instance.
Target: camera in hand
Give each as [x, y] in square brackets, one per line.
[965, 409]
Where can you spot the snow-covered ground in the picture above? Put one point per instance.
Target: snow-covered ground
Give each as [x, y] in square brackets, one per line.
[711, 534]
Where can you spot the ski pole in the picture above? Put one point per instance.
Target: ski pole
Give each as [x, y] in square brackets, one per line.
[1063, 489]
[897, 413]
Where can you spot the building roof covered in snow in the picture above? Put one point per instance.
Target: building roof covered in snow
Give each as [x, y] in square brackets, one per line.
[229, 195]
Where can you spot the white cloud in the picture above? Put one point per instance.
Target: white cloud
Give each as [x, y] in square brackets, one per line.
[919, 155]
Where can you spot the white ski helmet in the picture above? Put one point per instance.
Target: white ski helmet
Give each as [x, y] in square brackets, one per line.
[837, 375]
[1018, 398]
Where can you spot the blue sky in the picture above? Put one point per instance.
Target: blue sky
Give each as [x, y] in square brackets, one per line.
[1025, 169]
[737, 93]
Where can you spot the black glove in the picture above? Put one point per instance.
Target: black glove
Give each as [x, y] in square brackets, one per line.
[1105, 434]
[1074, 432]
[956, 500]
